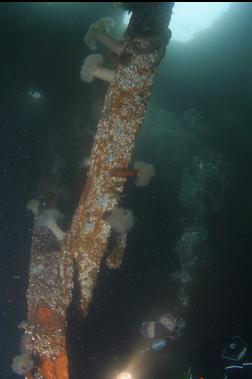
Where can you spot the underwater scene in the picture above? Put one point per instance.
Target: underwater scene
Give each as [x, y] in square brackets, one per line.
[125, 217]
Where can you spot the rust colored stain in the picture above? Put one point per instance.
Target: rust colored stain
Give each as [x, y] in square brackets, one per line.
[54, 368]
[48, 319]
[45, 315]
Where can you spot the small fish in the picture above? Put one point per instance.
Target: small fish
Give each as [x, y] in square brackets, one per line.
[168, 321]
[158, 344]
[148, 329]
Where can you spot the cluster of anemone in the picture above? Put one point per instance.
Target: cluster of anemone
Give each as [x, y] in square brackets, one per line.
[46, 218]
[144, 173]
[93, 64]
[49, 219]
[120, 219]
[23, 363]
[99, 32]
[34, 205]
[92, 68]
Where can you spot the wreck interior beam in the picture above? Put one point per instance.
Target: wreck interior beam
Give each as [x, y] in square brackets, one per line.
[50, 278]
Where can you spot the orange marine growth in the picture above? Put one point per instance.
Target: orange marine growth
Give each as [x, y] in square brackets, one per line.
[45, 315]
[123, 172]
[55, 369]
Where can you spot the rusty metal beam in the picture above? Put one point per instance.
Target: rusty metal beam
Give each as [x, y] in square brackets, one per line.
[48, 298]
[124, 109]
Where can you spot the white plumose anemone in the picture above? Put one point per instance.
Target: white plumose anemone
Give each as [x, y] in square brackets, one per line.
[120, 219]
[145, 172]
[99, 31]
[92, 68]
[48, 219]
[33, 205]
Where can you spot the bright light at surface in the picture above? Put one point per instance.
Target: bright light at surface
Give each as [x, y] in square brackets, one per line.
[126, 18]
[124, 375]
[190, 18]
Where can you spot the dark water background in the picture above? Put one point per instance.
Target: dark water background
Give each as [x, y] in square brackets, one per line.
[42, 48]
